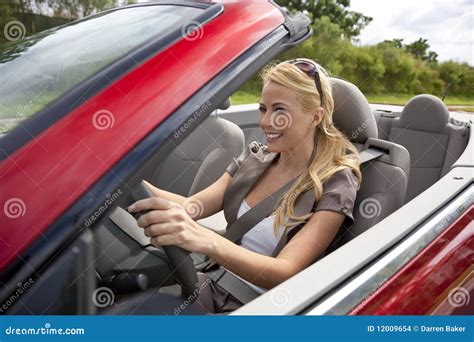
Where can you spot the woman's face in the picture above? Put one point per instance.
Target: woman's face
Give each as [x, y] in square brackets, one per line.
[282, 119]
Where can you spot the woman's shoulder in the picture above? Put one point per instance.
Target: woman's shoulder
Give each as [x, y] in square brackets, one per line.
[339, 193]
[341, 179]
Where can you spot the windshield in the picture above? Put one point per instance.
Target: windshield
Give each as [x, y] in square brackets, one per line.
[40, 68]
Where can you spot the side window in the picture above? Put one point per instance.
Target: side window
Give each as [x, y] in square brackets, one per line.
[41, 68]
[66, 286]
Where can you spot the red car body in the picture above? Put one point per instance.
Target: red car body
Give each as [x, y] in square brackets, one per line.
[48, 175]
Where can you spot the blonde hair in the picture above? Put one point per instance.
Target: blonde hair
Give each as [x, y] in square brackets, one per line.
[333, 151]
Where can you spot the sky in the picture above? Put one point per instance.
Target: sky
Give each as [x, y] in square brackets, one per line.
[447, 24]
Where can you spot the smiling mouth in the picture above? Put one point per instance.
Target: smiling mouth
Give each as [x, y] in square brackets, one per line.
[273, 136]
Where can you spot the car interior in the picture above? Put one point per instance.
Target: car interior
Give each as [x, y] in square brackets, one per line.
[416, 148]
[408, 165]
[433, 142]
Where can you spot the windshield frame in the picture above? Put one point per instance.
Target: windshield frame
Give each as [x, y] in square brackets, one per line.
[31, 127]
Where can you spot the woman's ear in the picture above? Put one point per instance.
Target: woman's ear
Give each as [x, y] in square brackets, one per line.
[317, 117]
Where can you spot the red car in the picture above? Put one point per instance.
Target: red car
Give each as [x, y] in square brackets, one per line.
[91, 108]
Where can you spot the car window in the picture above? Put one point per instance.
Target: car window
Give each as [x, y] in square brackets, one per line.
[40, 68]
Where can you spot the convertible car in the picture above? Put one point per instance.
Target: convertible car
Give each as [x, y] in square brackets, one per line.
[90, 109]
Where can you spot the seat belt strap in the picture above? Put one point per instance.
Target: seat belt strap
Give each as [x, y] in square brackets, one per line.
[229, 281]
[365, 156]
[233, 285]
[247, 221]
[254, 215]
[370, 154]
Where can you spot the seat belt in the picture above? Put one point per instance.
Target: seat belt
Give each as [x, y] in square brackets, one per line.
[370, 154]
[228, 281]
[233, 285]
[234, 233]
[256, 214]
[248, 220]
[365, 156]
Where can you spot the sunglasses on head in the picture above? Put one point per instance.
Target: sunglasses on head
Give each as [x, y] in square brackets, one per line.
[312, 71]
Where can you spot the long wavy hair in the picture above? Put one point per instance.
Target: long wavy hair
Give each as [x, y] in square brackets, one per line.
[333, 151]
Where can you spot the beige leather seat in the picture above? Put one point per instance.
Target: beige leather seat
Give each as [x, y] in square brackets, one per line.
[201, 158]
[385, 179]
[434, 144]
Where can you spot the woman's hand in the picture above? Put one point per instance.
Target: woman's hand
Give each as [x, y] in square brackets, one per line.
[169, 223]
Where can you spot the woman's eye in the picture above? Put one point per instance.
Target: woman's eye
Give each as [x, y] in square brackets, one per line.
[280, 110]
[262, 109]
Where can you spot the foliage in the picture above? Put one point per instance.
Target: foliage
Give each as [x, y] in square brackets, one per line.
[387, 68]
[71, 9]
[419, 49]
[351, 22]
[390, 67]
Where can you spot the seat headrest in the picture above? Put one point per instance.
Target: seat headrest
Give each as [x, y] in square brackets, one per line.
[425, 113]
[352, 113]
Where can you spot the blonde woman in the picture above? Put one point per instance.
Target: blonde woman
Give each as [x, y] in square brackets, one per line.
[305, 151]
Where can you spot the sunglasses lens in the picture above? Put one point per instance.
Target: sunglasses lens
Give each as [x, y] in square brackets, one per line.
[305, 66]
[311, 70]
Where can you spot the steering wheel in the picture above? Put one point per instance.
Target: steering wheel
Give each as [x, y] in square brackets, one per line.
[179, 260]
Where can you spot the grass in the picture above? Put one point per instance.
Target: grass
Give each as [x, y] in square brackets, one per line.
[243, 97]
[465, 109]
[401, 99]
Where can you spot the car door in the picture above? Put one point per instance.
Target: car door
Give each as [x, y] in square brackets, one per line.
[104, 135]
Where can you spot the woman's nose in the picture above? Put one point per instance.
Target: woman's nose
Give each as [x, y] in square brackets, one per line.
[265, 119]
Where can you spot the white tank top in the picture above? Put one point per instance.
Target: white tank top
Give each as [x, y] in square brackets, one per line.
[260, 239]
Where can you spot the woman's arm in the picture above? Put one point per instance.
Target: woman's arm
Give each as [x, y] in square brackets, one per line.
[168, 224]
[300, 252]
[203, 204]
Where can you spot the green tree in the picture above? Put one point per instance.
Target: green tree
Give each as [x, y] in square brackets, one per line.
[351, 22]
[39, 15]
[74, 9]
[329, 44]
[396, 43]
[71, 9]
[419, 49]
[458, 78]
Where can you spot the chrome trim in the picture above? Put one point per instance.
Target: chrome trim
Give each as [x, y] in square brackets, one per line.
[358, 289]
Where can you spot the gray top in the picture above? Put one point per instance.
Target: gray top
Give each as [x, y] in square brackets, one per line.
[339, 191]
